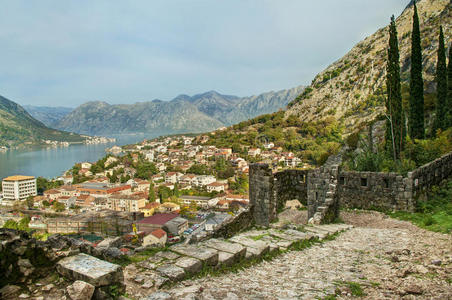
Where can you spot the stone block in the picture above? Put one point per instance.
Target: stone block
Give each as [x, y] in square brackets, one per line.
[208, 256]
[236, 249]
[167, 255]
[90, 269]
[171, 271]
[226, 259]
[260, 246]
[189, 264]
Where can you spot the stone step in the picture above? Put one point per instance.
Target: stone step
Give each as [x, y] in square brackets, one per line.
[321, 234]
[257, 248]
[189, 264]
[207, 256]
[171, 271]
[284, 236]
[238, 251]
[90, 269]
[226, 259]
[329, 229]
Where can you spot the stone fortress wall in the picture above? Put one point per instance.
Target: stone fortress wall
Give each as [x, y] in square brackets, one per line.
[326, 189]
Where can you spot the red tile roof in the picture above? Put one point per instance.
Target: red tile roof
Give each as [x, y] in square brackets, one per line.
[158, 219]
[158, 233]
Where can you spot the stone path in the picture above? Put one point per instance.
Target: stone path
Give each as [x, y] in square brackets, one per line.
[183, 261]
[381, 258]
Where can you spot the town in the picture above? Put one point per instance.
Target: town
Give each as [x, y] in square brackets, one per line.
[163, 191]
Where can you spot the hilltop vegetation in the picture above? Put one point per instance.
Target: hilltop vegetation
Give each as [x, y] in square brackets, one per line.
[314, 141]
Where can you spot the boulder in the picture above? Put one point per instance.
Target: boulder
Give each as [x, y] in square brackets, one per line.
[80, 290]
[110, 242]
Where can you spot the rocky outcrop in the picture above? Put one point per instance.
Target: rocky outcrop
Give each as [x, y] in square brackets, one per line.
[22, 258]
[352, 88]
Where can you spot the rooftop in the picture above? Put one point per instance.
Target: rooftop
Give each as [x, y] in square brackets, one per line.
[158, 219]
[18, 178]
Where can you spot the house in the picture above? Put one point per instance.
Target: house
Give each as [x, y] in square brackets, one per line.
[254, 151]
[215, 187]
[269, 145]
[187, 179]
[156, 221]
[168, 207]
[150, 208]
[176, 226]
[52, 194]
[198, 200]
[173, 177]
[203, 180]
[129, 203]
[86, 165]
[224, 204]
[84, 201]
[85, 172]
[233, 197]
[110, 160]
[149, 156]
[156, 237]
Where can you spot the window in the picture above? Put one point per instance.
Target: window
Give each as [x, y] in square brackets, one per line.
[342, 180]
[363, 181]
[386, 183]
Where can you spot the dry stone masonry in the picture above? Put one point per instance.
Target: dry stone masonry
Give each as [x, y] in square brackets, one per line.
[327, 188]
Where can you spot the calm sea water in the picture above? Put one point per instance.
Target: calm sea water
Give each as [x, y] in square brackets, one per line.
[52, 162]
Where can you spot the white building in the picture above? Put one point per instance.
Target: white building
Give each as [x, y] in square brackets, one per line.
[19, 187]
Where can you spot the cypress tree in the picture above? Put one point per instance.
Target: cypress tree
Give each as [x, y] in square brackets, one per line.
[441, 89]
[395, 125]
[416, 121]
[449, 88]
[151, 193]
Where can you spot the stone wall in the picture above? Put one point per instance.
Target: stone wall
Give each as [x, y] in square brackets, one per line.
[322, 193]
[326, 188]
[431, 174]
[372, 190]
[391, 191]
[262, 197]
[290, 185]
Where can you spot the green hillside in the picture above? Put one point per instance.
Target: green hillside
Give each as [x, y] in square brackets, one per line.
[18, 128]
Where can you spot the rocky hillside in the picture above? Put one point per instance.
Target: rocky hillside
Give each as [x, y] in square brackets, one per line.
[199, 113]
[17, 127]
[352, 89]
[48, 115]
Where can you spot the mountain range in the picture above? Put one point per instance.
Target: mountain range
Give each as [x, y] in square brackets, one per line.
[198, 113]
[18, 127]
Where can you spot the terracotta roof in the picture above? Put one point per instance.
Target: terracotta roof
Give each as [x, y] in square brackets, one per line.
[158, 233]
[158, 219]
[151, 205]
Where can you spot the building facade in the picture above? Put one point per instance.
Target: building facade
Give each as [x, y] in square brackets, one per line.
[19, 187]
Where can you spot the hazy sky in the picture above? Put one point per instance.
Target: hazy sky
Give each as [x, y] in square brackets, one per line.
[64, 53]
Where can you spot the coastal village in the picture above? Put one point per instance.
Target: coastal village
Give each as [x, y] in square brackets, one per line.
[163, 191]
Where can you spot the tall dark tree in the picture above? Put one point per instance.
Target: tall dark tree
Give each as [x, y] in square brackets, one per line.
[151, 197]
[395, 125]
[416, 120]
[441, 89]
[449, 89]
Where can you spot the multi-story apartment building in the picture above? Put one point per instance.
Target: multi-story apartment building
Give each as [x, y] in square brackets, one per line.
[19, 187]
[128, 203]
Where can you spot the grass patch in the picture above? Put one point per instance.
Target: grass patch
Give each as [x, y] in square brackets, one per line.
[355, 288]
[434, 213]
[138, 257]
[257, 237]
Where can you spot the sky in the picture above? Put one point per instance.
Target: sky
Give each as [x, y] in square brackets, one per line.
[65, 53]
